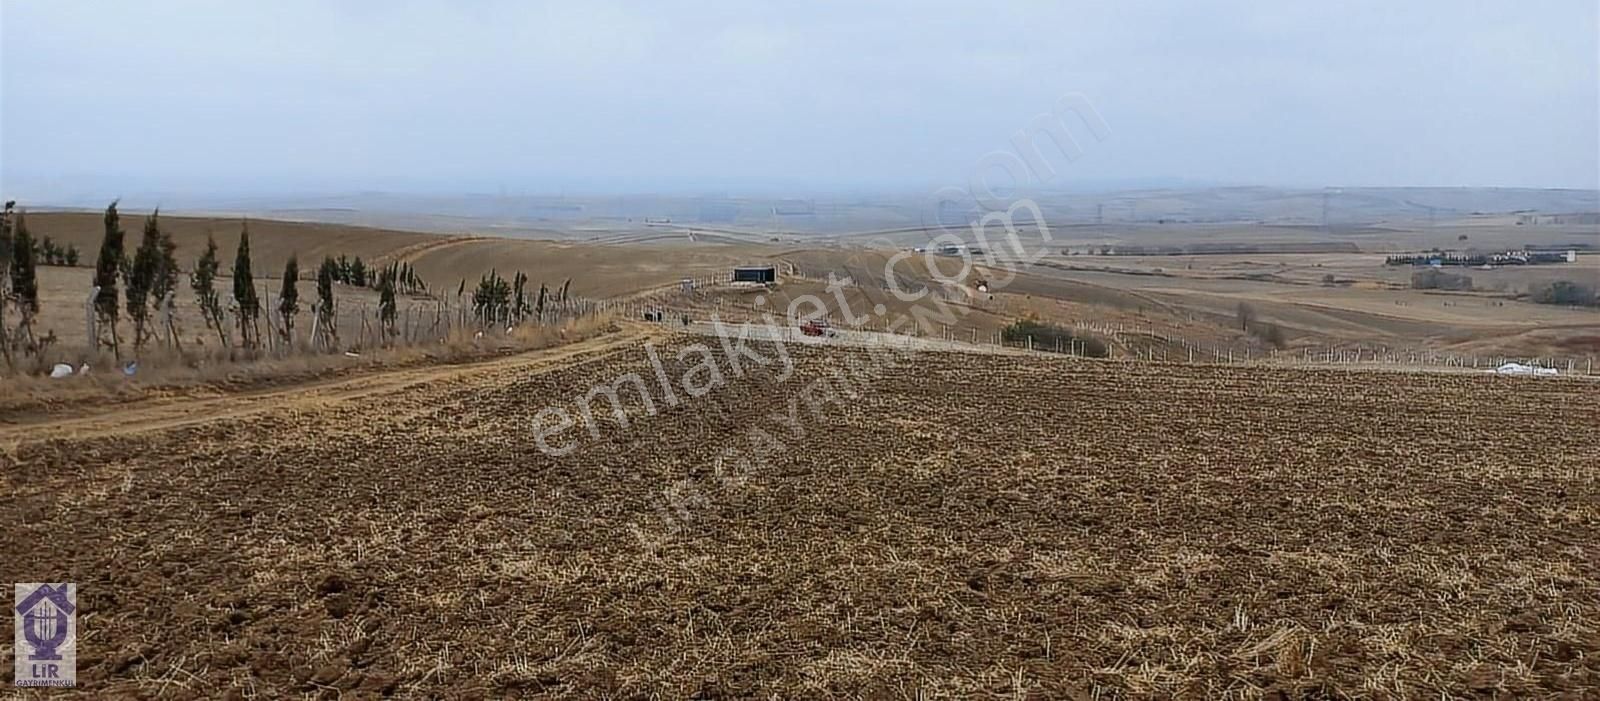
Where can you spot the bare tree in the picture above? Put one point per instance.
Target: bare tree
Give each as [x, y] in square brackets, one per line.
[1247, 316]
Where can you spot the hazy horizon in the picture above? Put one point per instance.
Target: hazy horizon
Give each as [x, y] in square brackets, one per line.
[99, 100]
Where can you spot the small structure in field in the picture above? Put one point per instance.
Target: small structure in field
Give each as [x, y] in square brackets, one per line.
[755, 274]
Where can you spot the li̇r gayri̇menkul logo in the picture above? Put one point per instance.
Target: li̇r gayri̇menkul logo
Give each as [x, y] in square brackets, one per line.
[46, 622]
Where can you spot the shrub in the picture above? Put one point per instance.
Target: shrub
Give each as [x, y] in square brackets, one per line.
[1045, 337]
[1271, 334]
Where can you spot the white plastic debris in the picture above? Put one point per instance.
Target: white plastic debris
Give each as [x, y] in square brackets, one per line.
[1520, 369]
[60, 370]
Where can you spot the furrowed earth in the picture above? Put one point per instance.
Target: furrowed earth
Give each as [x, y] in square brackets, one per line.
[883, 526]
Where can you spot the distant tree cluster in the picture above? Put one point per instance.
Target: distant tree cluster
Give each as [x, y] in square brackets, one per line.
[1435, 279]
[1046, 336]
[492, 300]
[1566, 292]
[348, 271]
[499, 300]
[48, 252]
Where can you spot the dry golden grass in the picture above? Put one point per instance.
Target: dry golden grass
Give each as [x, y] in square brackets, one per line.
[172, 375]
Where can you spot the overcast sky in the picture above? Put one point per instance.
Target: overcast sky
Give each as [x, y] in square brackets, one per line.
[635, 96]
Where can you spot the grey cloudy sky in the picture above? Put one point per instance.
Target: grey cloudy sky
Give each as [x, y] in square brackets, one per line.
[640, 95]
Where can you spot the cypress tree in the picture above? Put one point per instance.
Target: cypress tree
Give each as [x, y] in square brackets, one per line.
[7, 245]
[25, 282]
[386, 302]
[325, 304]
[141, 277]
[105, 278]
[519, 302]
[164, 287]
[289, 297]
[244, 290]
[203, 280]
[24, 273]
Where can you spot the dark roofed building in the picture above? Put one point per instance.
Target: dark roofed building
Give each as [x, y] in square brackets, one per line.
[761, 274]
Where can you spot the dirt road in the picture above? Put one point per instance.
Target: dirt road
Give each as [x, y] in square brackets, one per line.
[170, 413]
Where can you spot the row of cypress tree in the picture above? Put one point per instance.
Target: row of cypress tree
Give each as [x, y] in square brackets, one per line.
[19, 283]
[148, 280]
[142, 289]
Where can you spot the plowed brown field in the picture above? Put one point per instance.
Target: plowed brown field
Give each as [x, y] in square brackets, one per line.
[948, 525]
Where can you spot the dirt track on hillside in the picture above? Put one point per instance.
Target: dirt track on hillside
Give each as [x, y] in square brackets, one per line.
[179, 411]
[955, 525]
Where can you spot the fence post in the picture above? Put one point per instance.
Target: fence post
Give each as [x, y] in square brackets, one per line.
[88, 315]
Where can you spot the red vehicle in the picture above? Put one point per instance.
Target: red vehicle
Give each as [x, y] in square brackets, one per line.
[816, 327]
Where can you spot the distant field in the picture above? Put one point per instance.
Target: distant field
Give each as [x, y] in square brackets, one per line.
[271, 242]
[597, 270]
[1194, 297]
[1312, 268]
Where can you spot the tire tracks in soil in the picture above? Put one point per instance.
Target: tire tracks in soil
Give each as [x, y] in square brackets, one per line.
[415, 251]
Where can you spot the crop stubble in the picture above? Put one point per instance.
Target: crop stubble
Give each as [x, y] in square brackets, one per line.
[965, 525]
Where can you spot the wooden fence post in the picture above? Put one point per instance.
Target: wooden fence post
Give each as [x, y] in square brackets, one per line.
[88, 314]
